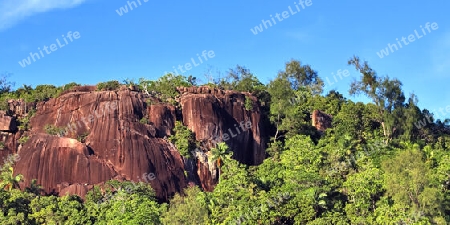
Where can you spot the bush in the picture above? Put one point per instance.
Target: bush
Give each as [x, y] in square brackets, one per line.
[24, 123]
[45, 92]
[69, 86]
[4, 105]
[54, 130]
[151, 102]
[144, 120]
[183, 139]
[108, 86]
[166, 86]
[82, 137]
[22, 140]
[248, 103]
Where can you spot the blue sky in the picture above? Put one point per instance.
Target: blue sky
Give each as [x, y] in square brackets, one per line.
[157, 35]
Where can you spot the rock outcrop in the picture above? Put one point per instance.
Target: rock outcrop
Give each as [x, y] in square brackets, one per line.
[86, 137]
[216, 116]
[321, 120]
[7, 123]
[220, 116]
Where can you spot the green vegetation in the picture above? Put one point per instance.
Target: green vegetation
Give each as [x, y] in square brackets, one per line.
[8, 180]
[22, 140]
[144, 120]
[248, 105]
[108, 86]
[183, 139]
[218, 154]
[82, 137]
[24, 122]
[165, 87]
[28, 95]
[54, 130]
[375, 165]
[151, 102]
[188, 209]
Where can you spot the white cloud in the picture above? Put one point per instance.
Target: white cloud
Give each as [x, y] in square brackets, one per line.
[13, 11]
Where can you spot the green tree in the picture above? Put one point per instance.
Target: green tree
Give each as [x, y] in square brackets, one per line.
[8, 180]
[14, 207]
[300, 75]
[58, 210]
[248, 105]
[108, 86]
[34, 188]
[218, 153]
[166, 86]
[280, 92]
[234, 196]
[191, 208]
[242, 79]
[183, 138]
[123, 203]
[296, 82]
[385, 93]
[363, 190]
[408, 183]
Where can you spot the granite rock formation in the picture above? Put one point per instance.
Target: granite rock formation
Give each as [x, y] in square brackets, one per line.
[100, 135]
[321, 120]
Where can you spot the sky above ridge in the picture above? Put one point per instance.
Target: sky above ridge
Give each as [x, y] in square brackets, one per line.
[89, 41]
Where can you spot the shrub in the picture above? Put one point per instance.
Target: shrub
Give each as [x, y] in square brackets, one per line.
[151, 102]
[108, 86]
[248, 103]
[22, 140]
[54, 130]
[24, 123]
[183, 139]
[45, 92]
[4, 105]
[144, 120]
[82, 137]
[166, 86]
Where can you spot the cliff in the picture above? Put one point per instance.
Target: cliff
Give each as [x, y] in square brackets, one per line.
[86, 137]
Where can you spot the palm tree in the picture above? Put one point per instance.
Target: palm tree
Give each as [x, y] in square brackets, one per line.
[320, 201]
[218, 153]
[7, 179]
[34, 188]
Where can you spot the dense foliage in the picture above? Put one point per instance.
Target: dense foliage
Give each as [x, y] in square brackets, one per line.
[378, 164]
[108, 86]
[183, 139]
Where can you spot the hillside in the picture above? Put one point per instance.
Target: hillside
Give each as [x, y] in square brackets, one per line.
[231, 151]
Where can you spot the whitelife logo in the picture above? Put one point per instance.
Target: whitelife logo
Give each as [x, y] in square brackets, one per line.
[53, 47]
[188, 66]
[284, 14]
[124, 10]
[411, 38]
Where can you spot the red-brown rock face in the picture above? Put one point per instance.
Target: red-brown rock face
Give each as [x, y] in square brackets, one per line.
[7, 123]
[215, 116]
[102, 138]
[116, 145]
[221, 116]
[321, 120]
